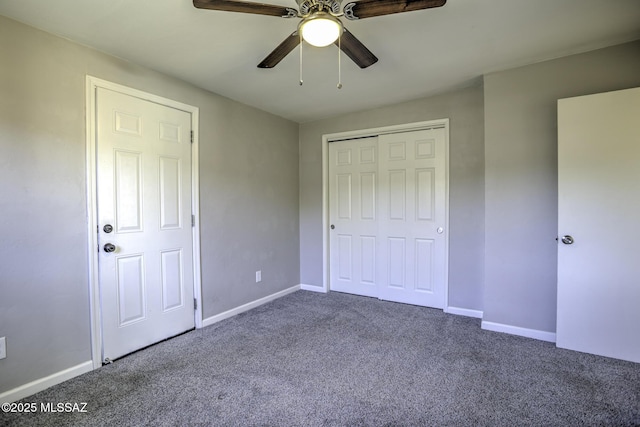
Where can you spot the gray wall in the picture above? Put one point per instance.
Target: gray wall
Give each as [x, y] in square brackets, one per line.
[248, 202]
[521, 177]
[464, 108]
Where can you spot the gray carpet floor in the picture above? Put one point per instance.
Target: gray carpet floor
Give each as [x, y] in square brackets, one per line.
[340, 360]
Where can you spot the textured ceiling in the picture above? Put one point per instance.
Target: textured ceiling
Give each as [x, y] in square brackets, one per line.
[421, 53]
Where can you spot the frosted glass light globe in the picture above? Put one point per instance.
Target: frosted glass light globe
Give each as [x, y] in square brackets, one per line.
[320, 30]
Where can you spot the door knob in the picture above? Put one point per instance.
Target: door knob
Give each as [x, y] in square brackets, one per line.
[567, 240]
[109, 248]
[108, 228]
[333, 226]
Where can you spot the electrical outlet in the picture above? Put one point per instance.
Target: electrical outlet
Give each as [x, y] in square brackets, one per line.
[3, 347]
[258, 276]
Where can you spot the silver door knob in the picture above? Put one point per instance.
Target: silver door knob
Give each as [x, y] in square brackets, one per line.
[567, 240]
[109, 248]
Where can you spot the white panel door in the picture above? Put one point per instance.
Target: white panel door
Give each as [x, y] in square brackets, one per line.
[388, 217]
[144, 211]
[353, 170]
[412, 217]
[599, 207]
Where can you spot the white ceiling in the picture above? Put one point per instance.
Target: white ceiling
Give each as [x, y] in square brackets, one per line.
[421, 53]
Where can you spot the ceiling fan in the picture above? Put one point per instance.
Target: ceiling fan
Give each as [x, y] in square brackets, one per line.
[320, 23]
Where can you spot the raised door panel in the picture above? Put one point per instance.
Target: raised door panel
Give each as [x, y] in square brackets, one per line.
[344, 199]
[425, 194]
[368, 196]
[172, 279]
[131, 289]
[345, 257]
[424, 264]
[397, 262]
[129, 124]
[170, 132]
[368, 260]
[397, 194]
[170, 193]
[128, 191]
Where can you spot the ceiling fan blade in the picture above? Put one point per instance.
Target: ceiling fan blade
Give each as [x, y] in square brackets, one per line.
[370, 8]
[281, 51]
[246, 7]
[355, 50]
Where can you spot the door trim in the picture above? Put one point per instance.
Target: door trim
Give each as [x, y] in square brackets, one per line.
[363, 133]
[92, 84]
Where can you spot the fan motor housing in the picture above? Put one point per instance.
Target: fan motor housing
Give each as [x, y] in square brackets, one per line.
[307, 7]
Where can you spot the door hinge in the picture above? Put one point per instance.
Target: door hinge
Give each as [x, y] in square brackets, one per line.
[192, 137]
[195, 304]
[193, 220]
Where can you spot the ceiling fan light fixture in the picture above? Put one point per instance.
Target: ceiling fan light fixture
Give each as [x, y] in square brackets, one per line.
[320, 29]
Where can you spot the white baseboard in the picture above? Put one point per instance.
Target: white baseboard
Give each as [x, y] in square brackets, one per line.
[44, 383]
[515, 330]
[246, 307]
[313, 288]
[464, 312]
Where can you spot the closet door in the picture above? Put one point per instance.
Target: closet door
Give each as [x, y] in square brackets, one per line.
[411, 226]
[387, 203]
[353, 181]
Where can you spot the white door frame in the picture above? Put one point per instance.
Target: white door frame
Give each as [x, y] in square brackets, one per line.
[408, 127]
[92, 84]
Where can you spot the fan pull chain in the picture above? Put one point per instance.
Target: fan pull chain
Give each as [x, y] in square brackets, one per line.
[301, 81]
[340, 61]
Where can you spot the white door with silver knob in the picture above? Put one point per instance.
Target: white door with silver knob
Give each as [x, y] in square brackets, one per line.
[599, 232]
[144, 222]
